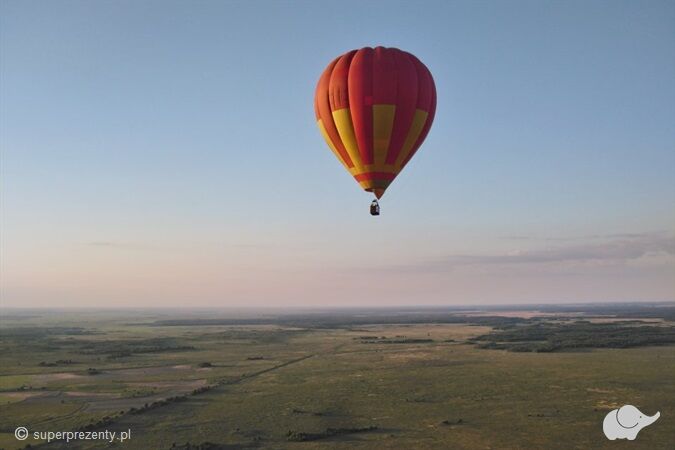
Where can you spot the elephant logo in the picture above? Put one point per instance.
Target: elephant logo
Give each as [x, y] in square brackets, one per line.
[626, 422]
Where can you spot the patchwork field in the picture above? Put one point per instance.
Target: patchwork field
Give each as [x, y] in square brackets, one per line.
[300, 383]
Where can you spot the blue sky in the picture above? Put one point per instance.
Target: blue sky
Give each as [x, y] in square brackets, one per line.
[164, 153]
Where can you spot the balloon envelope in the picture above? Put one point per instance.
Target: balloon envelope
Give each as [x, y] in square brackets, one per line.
[374, 107]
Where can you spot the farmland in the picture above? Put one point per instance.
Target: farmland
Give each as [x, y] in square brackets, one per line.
[381, 379]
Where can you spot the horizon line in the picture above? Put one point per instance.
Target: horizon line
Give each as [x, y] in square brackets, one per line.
[337, 307]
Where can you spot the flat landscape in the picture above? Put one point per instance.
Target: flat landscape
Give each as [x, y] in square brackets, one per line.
[509, 378]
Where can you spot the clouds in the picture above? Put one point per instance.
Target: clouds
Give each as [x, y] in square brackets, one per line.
[118, 245]
[618, 248]
[585, 238]
[105, 244]
[613, 250]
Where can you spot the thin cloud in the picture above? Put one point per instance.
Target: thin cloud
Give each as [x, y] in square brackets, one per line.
[630, 247]
[118, 245]
[618, 250]
[587, 237]
[102, 244]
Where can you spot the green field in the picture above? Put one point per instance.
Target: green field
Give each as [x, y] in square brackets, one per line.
[336, 381]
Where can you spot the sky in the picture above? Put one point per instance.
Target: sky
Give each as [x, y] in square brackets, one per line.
[165, 153]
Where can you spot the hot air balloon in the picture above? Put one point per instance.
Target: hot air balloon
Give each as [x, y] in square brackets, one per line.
[374, 107]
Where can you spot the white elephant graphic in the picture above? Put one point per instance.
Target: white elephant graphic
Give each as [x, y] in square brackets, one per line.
[626, 422]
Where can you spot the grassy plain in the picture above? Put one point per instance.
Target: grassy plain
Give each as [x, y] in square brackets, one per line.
[306, 385]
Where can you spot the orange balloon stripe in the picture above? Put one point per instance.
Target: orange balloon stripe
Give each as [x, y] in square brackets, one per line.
[323, 113]
[321, 92]
[338, 90]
